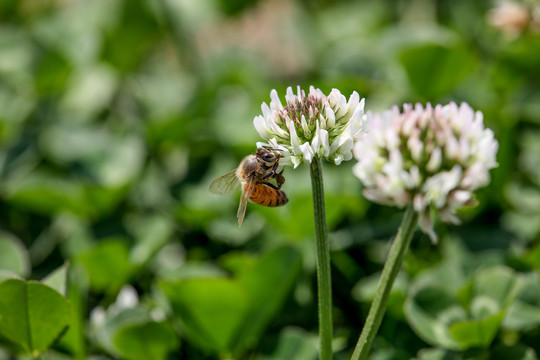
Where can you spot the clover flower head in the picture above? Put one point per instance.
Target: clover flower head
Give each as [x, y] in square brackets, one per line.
[432, 158]
[312, 125]
[510, 17]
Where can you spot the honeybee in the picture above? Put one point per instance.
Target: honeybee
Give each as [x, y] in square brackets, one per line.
[254, 174]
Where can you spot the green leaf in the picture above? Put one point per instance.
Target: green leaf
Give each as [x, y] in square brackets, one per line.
[430, 311]
[8, 274]
[440, 319]
[294, 344]
[532, 257]
[116, 317]
[476, 333]
[107, 265]
[437, 354]
[57, 279]
[499, 284]
[126, 45]
[193, 270]
[152, 235]
[32, 315]
[449, 275]
[514, 352]
[524, 313]
[490, 292]
[47, 194]
[364, 291]
[75, 337]
[228, 315]
[211, 310]
[528, 158]
[267, 283]
[434, 69]
[149, 340]
[89, 91]
[13, 255]
[237, 262]
[52, 73]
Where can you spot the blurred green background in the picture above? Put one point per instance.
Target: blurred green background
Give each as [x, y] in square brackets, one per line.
[116, 115]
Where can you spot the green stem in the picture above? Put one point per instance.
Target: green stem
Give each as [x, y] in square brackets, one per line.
[388, 276]
[324, 285]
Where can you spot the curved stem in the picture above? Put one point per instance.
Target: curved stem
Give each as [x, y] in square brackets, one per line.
[324, 285]
[388, 276]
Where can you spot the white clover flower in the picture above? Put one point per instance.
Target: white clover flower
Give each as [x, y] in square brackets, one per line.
[432, 158]
[312, 125]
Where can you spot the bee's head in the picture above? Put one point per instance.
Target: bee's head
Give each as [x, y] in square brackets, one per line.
[268, 154]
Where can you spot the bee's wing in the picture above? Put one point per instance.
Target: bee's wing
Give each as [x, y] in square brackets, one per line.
[225, 184]
[246, 192]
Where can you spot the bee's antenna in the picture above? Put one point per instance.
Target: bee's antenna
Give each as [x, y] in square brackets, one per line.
[266, 147]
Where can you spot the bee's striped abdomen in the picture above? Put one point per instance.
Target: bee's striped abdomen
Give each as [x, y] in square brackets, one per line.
[266, 195]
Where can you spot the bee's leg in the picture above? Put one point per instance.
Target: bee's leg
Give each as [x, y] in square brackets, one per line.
[270, 185]
[280, 179]
[272, 173]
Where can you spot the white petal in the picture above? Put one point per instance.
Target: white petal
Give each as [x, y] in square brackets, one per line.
[127, 298]
[307, 151]
[260, 125]
[463, 116]
[354, 100]
[358, 125]
[296, 160]
[342, 143]
[451, 148]
[321, 121]
[346, 155]
[320, 144]
[396, 159]
[373, 194]
[416, 147]
[448, 217]
[275, 103]
[487, 149]
[453, 179]
[426, 224]
[439, 185]
[290, 98]
[475, 176]
[464, 149]
[334, 98]
[330, 118]
[267, 113]
[338, 102]
[295, 141]
[361, 173]
[98, 316]
[276, 129]
[435, 160]
[338, 159]
[299, 93]
[419, 203]
[305, 127]
[391, 138]
[461, 196]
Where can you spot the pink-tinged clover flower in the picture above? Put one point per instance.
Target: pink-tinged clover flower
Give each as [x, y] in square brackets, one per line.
[510, 17]
[432, 158]
[312, 125]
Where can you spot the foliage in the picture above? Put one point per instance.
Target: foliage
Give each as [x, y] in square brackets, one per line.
[115, 117]
[32, 314]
